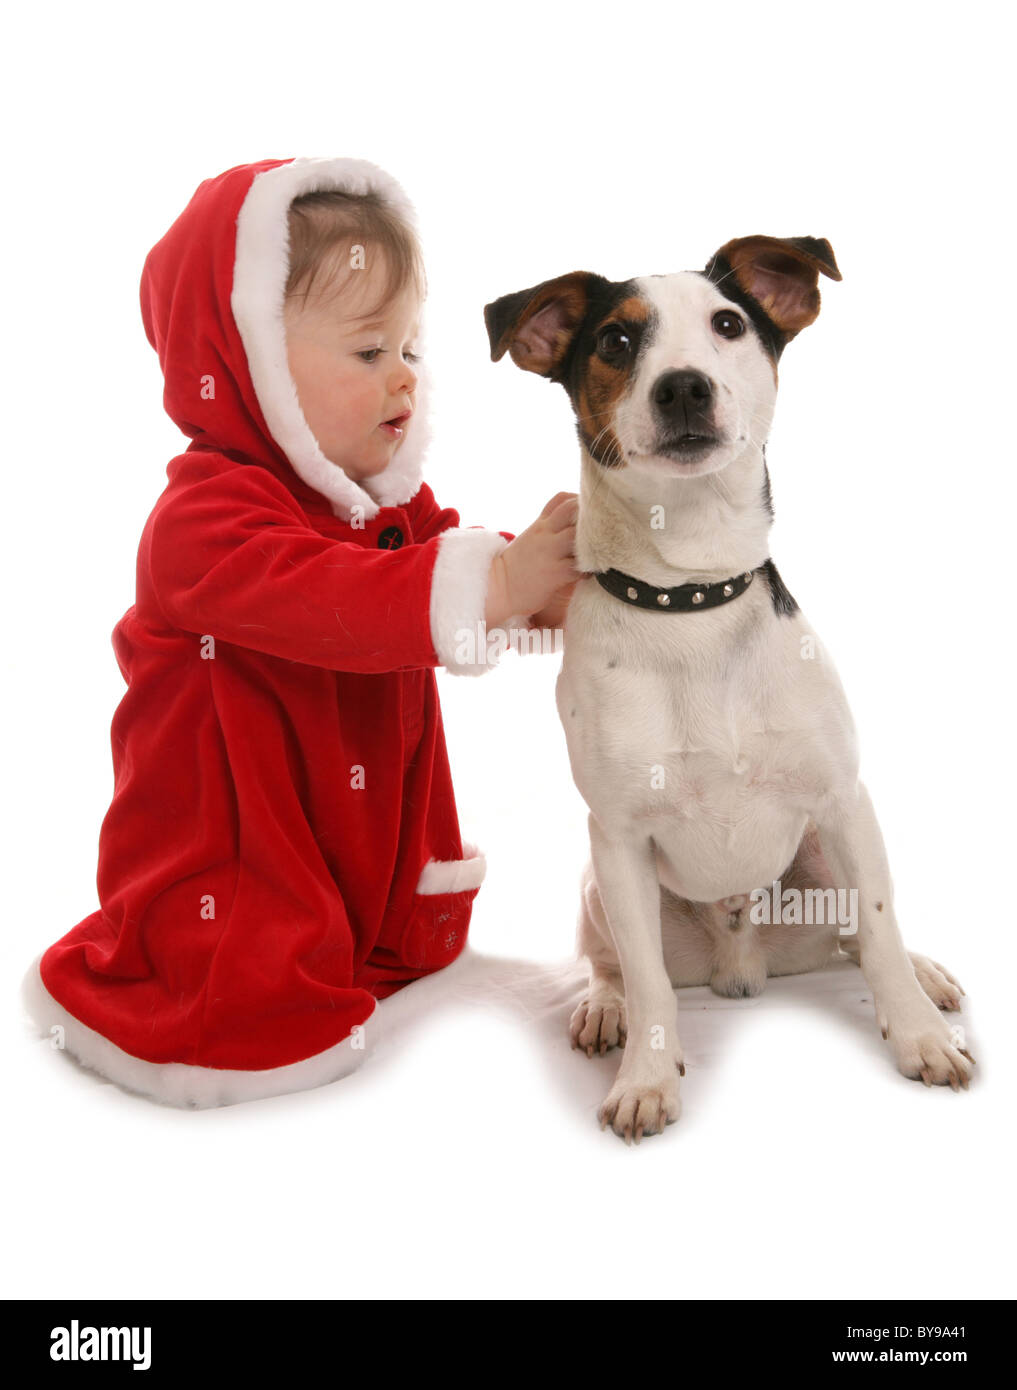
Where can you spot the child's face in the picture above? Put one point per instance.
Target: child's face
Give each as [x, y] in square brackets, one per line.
[351, 376]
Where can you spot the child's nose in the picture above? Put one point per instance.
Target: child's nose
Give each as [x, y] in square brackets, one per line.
[405, 377]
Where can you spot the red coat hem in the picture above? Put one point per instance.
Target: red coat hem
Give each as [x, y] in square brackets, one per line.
[181, 1084]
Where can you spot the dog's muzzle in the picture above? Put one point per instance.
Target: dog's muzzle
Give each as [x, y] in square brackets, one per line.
[682, 402]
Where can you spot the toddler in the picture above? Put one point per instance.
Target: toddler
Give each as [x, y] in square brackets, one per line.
[282, 848]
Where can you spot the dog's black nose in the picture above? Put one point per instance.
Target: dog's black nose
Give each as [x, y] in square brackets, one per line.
[685, 393]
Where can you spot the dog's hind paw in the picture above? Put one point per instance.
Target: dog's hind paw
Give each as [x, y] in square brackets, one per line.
[633, 1110]
[941, 987]
[599, 1022]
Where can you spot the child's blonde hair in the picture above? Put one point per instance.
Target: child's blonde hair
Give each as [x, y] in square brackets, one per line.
[324, 226]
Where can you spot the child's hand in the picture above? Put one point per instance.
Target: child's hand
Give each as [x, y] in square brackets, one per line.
[536, 571]
[553, 612]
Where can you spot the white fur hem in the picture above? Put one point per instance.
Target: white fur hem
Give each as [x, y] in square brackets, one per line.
[453, 875]
[177, 1083]
[260, 271]
[466, 646]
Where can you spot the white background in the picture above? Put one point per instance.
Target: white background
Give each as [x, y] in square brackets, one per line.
[465, 1159]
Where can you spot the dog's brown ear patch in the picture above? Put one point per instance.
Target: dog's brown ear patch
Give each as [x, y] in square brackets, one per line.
[780, 273]
[536, 326]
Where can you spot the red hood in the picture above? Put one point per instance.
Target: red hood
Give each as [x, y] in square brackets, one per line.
[211, 301]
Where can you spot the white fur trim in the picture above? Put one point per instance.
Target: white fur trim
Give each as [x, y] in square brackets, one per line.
[259, 282]
[178, 1083]
[453, 875]
[459, 601]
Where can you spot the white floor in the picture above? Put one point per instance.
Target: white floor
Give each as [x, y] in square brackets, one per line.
[465, 1160]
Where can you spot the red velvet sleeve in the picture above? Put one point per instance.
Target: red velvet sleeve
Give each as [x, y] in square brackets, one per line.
[231, 556]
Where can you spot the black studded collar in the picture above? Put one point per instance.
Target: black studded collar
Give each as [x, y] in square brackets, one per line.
[683, 598]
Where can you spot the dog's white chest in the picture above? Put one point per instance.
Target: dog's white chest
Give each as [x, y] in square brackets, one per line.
[717, 765]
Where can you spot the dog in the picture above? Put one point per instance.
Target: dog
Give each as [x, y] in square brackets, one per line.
[707, 730]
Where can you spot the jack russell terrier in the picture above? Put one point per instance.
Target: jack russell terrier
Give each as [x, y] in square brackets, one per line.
[707, 730]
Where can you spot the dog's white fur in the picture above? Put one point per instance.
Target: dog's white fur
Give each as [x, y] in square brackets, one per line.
[754, 739]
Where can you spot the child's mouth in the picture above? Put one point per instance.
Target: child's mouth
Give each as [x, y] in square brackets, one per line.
[394, 427]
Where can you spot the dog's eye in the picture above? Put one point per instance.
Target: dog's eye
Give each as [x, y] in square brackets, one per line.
[612, 340]
[728, 325]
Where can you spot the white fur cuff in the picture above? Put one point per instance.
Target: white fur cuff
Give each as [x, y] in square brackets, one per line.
[454, 875]
[465, 644]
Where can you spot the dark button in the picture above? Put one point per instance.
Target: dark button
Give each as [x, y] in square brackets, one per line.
[390, 539]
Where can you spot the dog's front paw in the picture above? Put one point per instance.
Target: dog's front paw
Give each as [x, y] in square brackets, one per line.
[599, 1021]
[926, 1047]
[634, 1108]
[938, 983]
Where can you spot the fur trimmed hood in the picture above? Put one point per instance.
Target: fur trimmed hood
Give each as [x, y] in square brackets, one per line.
[223, 351]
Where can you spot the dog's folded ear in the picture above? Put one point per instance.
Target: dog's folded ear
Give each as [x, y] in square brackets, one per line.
[536, 326]
[781, 274]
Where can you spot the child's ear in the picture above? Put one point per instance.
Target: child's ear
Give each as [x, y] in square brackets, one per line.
[536, 326]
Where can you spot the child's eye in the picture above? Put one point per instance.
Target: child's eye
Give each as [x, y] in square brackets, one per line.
[371, 355]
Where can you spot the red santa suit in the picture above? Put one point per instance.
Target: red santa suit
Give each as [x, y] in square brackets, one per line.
[282, 849]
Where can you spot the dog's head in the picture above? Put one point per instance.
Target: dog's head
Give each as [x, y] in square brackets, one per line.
[673, 374]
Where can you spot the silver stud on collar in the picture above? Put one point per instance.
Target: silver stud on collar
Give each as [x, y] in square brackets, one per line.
[632, 593]
[697, 598]
[748, 577]
[728, 590]
[665, 599]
